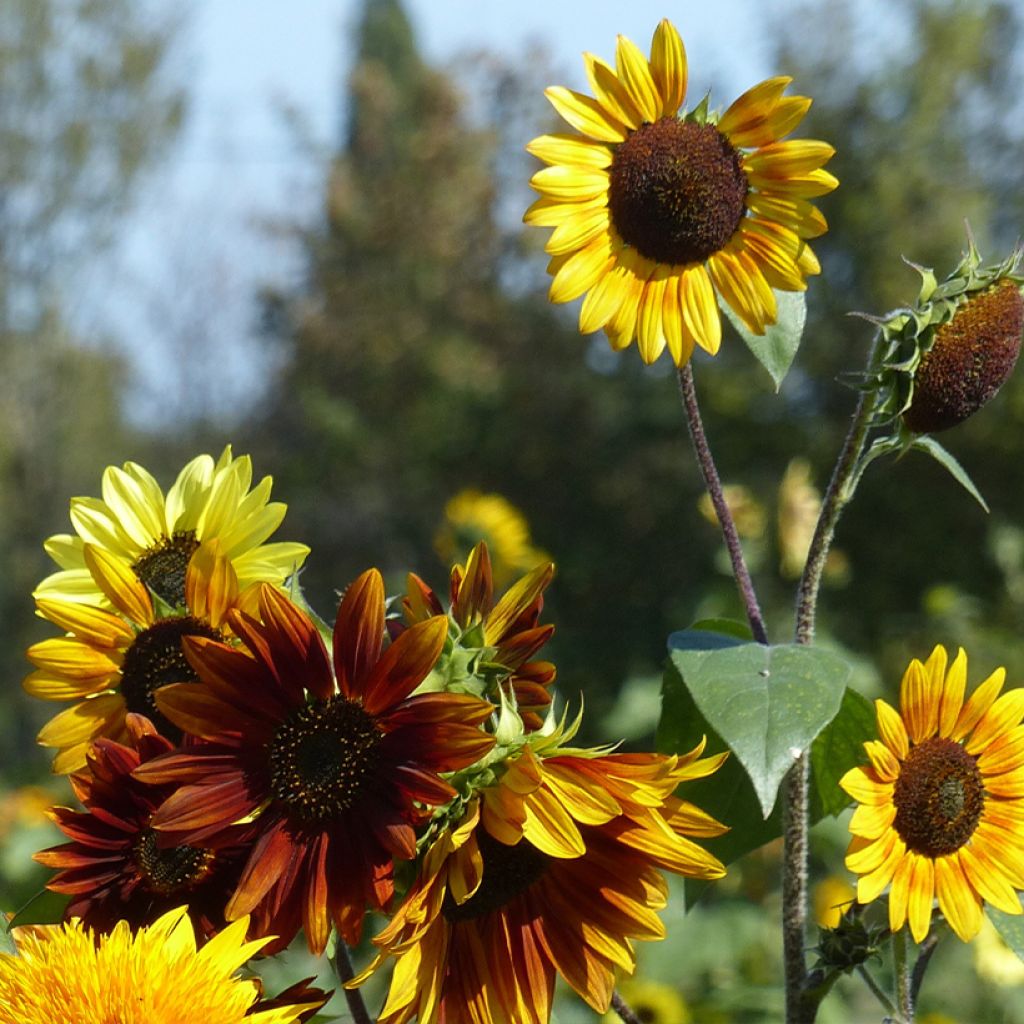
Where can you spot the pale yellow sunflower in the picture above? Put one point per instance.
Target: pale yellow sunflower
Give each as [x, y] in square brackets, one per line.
[111, 662]
[941, 801]
[153, 976]
[157, 534]
[657, 208]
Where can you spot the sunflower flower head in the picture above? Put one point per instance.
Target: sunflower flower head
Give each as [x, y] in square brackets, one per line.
[941, 800]
[492, 643]
[113, 658]
[659, 210]
[155, 975]
[945, 358]
[156, 534]
[553, 868]
[323, 762]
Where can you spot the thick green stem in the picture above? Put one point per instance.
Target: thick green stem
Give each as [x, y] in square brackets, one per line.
[901, 965]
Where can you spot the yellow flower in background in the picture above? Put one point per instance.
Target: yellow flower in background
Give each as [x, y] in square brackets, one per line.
[994, 960]
[652, 1002]
[112, 662]
[941, 801]
[831, 897]
[799, 506]
[157, 534]
[154, 976]
[471, 517]
[658, 211]
[747, 512]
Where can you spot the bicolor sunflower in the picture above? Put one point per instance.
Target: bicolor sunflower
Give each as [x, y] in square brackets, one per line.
[330, 771]
[493, 642]
[657, 209]
[941, 801]
[555, 869]
[113, 869]
[155, 975]
[157, 534]
[111, 662]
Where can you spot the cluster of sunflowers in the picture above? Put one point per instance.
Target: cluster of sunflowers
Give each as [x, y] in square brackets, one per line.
[246, 771]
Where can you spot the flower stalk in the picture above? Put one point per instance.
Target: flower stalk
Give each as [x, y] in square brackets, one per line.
[342, 963]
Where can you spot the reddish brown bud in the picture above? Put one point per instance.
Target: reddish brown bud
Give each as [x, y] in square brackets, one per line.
[971, 358]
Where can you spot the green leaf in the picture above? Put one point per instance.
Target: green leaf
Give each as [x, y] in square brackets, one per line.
[838, 748]
[767, 703]
[1010, 927]
[776, 348]
[945, 459]
[6, 939]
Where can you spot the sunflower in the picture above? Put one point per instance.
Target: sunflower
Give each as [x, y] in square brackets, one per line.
[471, 517]
[555, 869]
[113, 868]
[328, 777]
[656, 209]
[494, 641]
[112, 662]
[156, 534]
[941, 801]
[155, 975]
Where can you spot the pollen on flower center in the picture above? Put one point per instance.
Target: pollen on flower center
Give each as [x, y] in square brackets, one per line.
[507, 871]
[322, 757]
[162, 566]
[173, 870]
[156, 658]
[678, 191]
[939, 797]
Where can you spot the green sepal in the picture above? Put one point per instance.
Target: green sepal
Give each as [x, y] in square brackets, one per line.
[767, 704]
[776, 348]
[699, 114]
[926, 443]
[6, 938]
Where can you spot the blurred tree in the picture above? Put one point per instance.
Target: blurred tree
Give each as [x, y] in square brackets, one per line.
[86, 106]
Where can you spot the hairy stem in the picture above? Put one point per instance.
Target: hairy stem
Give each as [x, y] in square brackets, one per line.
[343, 968]
[623, 1009]
[880, 995]
[714, 486]
[901, 965]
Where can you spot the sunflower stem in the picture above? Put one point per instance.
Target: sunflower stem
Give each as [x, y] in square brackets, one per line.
[901, 966]
[880, 995]
[924, 957]
[623, 1009]
[714, 485]
[343, 968]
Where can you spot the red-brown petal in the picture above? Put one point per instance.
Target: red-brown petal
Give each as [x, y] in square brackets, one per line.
[359, 631]
[405, 664]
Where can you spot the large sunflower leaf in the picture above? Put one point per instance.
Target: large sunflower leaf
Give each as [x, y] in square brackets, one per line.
[838, 748]
[766, 703]
[776, 348]
[1010, 927]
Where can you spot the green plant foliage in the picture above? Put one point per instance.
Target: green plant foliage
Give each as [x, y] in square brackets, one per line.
[776, 348]
[838, 748]
[767, 703]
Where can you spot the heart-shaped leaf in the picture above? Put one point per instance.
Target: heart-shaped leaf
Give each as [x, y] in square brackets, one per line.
[776, 348]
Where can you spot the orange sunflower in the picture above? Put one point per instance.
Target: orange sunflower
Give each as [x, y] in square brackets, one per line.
[941, 801]
[656, 208]
[329, 771]
[497, 640]
[554, 869]
[111, 662]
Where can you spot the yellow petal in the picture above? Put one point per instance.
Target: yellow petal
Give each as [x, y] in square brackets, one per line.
[611, 93]
[93, 523]
[1004, 754]
[794, 213]
[738, 280]
[549, 213]
[621, 329]
[576, 232]
[582, 270]
[871, 820]
[650, 337]
[887, 768]
[988, 879]
[668, 67]
[586, 115]
[117, 580]
[899, 894]
[129, 505]
[570, 183]
[922, 893]
[783, 118]
[919, 702]
[570, 149]
[95, 625]
[48, 685]
[957, 900]
[83, 721]
[677, 336]
[751, 109]
[76, 659]
[187, 496]
[700, 311]
[788, 159]
[605, 299]
[780, 270]
[549, 827]
[635, 75]
[891, 729]
[952, 698]
[806, 186]
[865, 787]
[978, 703]
[870, 886]
[1004, 714]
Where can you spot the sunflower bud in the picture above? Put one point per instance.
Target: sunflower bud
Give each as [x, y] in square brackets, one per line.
[850, 944]
[950, 354]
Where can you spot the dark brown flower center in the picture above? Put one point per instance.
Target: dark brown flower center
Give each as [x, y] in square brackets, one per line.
[678, 191]
[508, 871]
[939, 797]
[162, 566]
[171, 870]
[322, 757]
[156, 658]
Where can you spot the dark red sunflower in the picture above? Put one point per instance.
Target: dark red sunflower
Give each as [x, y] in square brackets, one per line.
[504, 635]
[329, 771]
[113, 868]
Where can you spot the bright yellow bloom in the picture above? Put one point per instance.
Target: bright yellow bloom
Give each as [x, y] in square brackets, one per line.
[941, 801]
[831, 897]
[653, 1002]
[154, 976]
[657, 209]
[157, 535]
[112, 662]
[471, 517]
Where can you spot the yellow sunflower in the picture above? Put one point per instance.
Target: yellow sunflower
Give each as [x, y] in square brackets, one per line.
[656, 208]
[153, 976]
[111, 662]
[554, 869]
[157, 535]
[941, 801]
